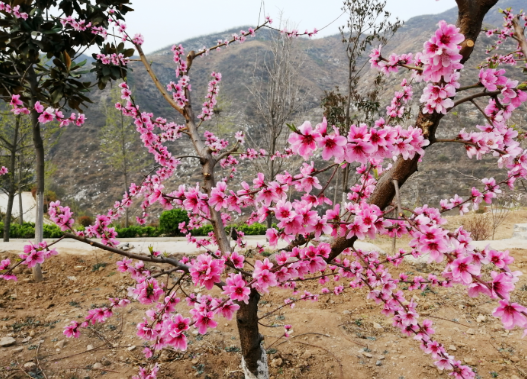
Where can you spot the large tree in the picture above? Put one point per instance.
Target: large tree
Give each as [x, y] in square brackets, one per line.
[40, 41]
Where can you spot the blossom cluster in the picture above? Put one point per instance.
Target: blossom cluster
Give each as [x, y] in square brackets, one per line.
[15, 11]
[212, 92]
[371, 148]
[46, 115]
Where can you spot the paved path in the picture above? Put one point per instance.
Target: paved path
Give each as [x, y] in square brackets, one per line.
[175, 245]
[171, 245]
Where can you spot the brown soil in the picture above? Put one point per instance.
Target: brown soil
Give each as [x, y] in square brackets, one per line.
[328, 341]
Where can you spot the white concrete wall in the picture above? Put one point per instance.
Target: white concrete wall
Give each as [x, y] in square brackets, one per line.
[28, 206]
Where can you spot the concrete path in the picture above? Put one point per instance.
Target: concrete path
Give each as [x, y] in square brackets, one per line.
[171, 245]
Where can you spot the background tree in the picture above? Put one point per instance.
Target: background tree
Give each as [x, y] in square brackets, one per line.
[368, 23]
[32, 30]
[120, 145]
[277, 97]
[15, 141]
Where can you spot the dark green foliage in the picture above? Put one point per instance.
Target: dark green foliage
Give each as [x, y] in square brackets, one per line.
[28, 43]
[27, 230]
[170, 220]
[138, 231]
[85, 220]
[255, 229]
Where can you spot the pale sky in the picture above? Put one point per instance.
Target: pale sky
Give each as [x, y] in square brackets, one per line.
[164, 22]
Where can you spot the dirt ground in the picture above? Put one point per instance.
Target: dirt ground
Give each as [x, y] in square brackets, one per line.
[342, 336]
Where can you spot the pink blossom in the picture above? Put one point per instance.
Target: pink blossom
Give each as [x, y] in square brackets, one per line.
[512, 314]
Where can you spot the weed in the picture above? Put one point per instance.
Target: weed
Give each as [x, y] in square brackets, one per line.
[97, 266]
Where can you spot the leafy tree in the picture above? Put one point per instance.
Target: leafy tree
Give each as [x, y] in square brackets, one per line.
[40, 41]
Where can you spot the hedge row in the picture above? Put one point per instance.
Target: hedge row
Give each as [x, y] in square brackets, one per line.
[27, 230]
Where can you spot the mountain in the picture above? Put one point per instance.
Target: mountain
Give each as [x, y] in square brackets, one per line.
[83, 178]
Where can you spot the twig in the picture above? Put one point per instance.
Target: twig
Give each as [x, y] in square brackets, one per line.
[38, 363]
[445, 319]
[397, 197]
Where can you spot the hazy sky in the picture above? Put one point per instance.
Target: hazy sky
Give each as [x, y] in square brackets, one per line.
[164, 22]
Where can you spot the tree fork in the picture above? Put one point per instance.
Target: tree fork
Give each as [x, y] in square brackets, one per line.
[470, 20]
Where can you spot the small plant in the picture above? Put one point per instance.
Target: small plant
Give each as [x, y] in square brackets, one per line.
[232, 349]
[97, 266]
[494, 374]
[74, 304]
[85, 220]
[358, 322]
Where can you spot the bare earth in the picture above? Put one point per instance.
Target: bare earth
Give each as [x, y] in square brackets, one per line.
[342, 336]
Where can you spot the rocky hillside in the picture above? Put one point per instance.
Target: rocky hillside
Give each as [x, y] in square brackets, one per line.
[86, 181]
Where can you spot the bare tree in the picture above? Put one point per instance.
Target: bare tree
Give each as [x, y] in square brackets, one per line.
[368, 22]
[276, 98]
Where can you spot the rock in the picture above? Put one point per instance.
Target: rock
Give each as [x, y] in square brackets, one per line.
[7, 341]
[367, 355]
[72, 278]
[514, 377]
[32, 333]
[30, 366]
[346, 312]
[452, 348]
[97, 366]
[307, 354]
[515, 358]
[60, 344]
[106, 362]
[27, 339]
[131, 348]
[79, 268]
[378, 363]
[471, 331]
[481, 318]
[277, 362]
[377, 325]
[468, 361]
[89, 347]
[194, 361]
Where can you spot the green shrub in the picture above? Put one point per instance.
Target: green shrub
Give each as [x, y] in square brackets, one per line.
[255, 229]
[203, 231]
[134, 231]
[85, 220]
[170, 220]
[51, 231]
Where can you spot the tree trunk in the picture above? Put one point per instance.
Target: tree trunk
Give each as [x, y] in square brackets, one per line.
[39, 170]
[254, 357]
[20, 207]
[8, 213]
[11, 192]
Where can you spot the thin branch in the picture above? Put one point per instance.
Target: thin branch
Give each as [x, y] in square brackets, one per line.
[475, 96]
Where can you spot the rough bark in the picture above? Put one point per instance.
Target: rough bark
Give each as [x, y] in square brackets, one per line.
[470, 19]
[20, 207]
[519, 35]
[254, 357]
[39, 170]
[11, 190]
